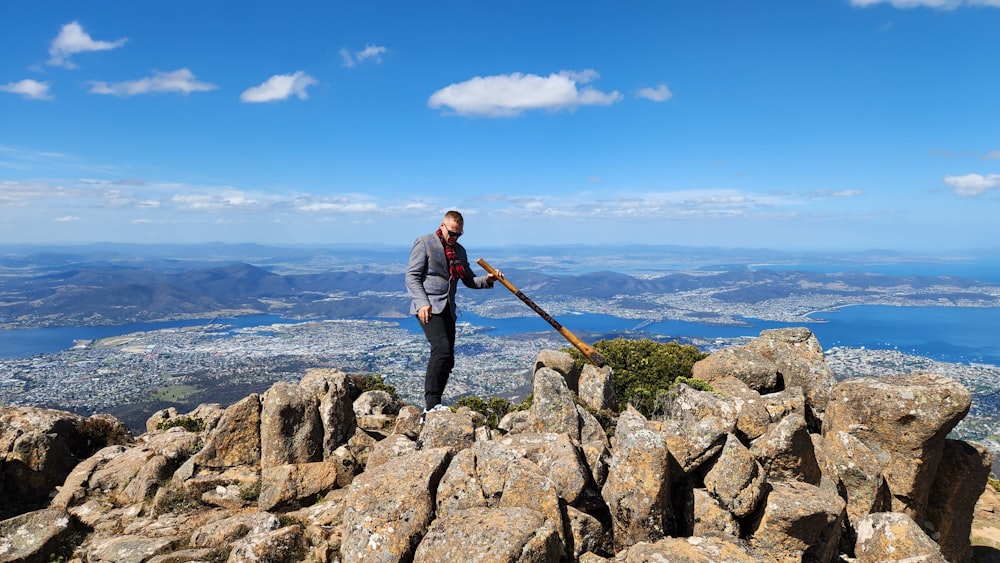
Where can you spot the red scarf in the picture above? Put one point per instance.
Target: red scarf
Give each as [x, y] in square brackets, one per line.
[455, 267]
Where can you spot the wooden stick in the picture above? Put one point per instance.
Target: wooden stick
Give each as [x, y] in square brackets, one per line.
[589, 352]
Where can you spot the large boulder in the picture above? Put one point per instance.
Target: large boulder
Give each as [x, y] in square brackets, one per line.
[637, 488]
[388, 509]
[40, 447]
[745, 364]
[894, 536]
[736, 479]
[290, 427]
[236, 438]
[482, 534]
[694, 424]
[799, 522]
[553, 403]
[34, 537]
[336, 409]
[961, 477]
[798, 357]
[901, 419]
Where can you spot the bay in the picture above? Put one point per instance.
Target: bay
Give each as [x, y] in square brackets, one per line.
[950, 334]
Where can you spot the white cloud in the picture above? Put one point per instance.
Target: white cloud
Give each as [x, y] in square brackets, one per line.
[373, 52]
[992, 155]
[67, 219]
[181, 81]
[512, 94]
[31, 89]
[659, 94]
[280, 87]
[72, 39]
[973, 184]
[938, 4]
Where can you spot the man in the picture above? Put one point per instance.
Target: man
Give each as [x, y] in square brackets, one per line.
[437, 263]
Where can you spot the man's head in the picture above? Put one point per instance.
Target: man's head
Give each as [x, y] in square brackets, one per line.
[452, 226]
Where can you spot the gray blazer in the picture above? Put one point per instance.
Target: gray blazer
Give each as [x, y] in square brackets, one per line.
[428, 279]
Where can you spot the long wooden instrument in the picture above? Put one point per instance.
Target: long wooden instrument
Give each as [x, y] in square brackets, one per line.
[594, 356]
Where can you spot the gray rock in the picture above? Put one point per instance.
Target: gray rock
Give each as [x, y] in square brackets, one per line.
[388, 509]
[290, 427]
[33, 536]
[553, 403]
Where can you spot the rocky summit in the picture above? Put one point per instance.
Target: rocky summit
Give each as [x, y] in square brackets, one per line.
[778, 462]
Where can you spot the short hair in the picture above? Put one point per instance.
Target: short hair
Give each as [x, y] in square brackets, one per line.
[455, 216]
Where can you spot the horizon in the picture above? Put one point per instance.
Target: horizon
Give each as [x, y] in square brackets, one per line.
[829, 126]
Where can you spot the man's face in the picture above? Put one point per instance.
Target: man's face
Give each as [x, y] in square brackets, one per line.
[451, 230]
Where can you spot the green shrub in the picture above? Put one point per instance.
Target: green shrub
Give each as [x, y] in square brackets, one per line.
[493, 409]
[189, 423]
[642, 369]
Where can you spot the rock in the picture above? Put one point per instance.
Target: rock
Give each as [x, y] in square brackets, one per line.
[786, 452]
[745, 364]
[561, 362]
[393, 446]
[445, 429]
[637, 489]
[481, 534]
[33, 537]
[388, 509]
[129, 548]
[375, 402]
[894, 536]
[902, 419]
[856, 472]
[558, 457]
[295, 485]
[710, 518]
[225, 531]
[752, 416]
[597, 387]
[961, 476]
[695, 424]
[290, 427]
[284, 545]
[799, 359]
[736, 479]
[800, 522]
[553, 403]
[40, 447]
[236, 439]
[521, 421]
[689, 550]
[336, 408]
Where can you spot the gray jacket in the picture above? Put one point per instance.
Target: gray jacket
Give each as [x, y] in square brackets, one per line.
[428, 279]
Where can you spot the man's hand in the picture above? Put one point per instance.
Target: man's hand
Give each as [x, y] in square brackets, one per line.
[424, 314]
[494, 276]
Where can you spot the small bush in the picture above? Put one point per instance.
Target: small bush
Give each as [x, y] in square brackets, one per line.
[993, 482]
[493, 409]
[641, 369]
[189, 423]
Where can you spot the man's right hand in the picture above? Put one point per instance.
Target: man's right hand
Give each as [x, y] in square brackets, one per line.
[424, 314]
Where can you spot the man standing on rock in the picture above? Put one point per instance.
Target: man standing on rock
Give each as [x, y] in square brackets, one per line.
[437, 263]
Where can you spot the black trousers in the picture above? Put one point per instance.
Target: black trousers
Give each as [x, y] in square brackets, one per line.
[440, 333]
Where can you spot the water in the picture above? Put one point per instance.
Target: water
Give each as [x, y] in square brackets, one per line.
[950, 334]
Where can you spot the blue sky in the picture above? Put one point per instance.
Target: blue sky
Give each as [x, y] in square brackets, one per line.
[786, 124]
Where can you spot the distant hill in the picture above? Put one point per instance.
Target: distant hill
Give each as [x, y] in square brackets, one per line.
[121, 284]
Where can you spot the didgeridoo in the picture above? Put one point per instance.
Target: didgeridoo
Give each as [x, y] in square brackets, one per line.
[594, 356]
